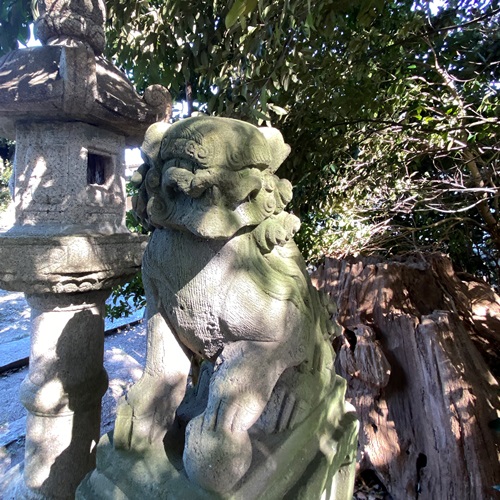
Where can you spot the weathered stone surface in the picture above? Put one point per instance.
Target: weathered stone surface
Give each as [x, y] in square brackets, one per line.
[225, 282]
[297, 464]
[82, 20]
[67, 279]
[64, 83]
[69, 179]
[67, 79]
[68, 264]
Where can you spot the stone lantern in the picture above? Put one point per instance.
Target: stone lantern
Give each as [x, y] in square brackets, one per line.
[71, 113]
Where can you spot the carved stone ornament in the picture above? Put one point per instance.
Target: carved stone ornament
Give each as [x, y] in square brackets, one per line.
[75, 20]
[264, 416]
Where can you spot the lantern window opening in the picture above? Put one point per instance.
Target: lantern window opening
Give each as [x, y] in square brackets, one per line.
[99, 169]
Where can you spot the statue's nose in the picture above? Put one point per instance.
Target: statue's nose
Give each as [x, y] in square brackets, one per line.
[192, 185]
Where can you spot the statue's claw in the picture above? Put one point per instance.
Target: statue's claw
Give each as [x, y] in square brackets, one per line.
[233, 414]
[142, 415]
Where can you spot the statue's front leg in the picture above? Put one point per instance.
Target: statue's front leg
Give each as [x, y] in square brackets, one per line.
[148, 409]
[218, 450]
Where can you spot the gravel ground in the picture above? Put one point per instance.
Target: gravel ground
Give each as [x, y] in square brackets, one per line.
[14, 317]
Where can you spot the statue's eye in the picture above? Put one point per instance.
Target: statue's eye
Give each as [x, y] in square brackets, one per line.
[253, 194]
[191, 166]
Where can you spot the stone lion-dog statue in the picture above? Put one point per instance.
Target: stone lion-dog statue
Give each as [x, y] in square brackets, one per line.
[225, 283]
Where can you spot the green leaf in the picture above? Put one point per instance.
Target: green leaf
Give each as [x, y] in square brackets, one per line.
[364, 94]
[204, 59]
[239, 9]
[277, 109]
[263, 98]
[309, 21]
[259, 115]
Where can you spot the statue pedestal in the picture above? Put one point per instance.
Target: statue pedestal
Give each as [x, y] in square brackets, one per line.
[315, 460]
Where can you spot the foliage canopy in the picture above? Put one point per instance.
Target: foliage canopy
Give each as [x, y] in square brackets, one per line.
[391, 107]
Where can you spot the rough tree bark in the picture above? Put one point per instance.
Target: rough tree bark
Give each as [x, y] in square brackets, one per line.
[413, 348]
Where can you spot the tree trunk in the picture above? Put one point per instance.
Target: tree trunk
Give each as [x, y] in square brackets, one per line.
[424, 394]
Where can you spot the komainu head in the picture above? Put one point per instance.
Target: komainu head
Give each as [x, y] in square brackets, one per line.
[212, 177]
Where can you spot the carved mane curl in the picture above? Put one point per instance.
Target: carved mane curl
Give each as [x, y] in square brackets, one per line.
[189, 155]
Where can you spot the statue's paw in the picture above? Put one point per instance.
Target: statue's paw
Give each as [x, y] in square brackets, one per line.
[196, 399]
[215, 460]
[276, 230]
[233, 412]
[284, 411]
[142, 416]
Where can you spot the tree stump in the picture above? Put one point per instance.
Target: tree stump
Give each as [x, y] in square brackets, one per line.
[412, 353]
